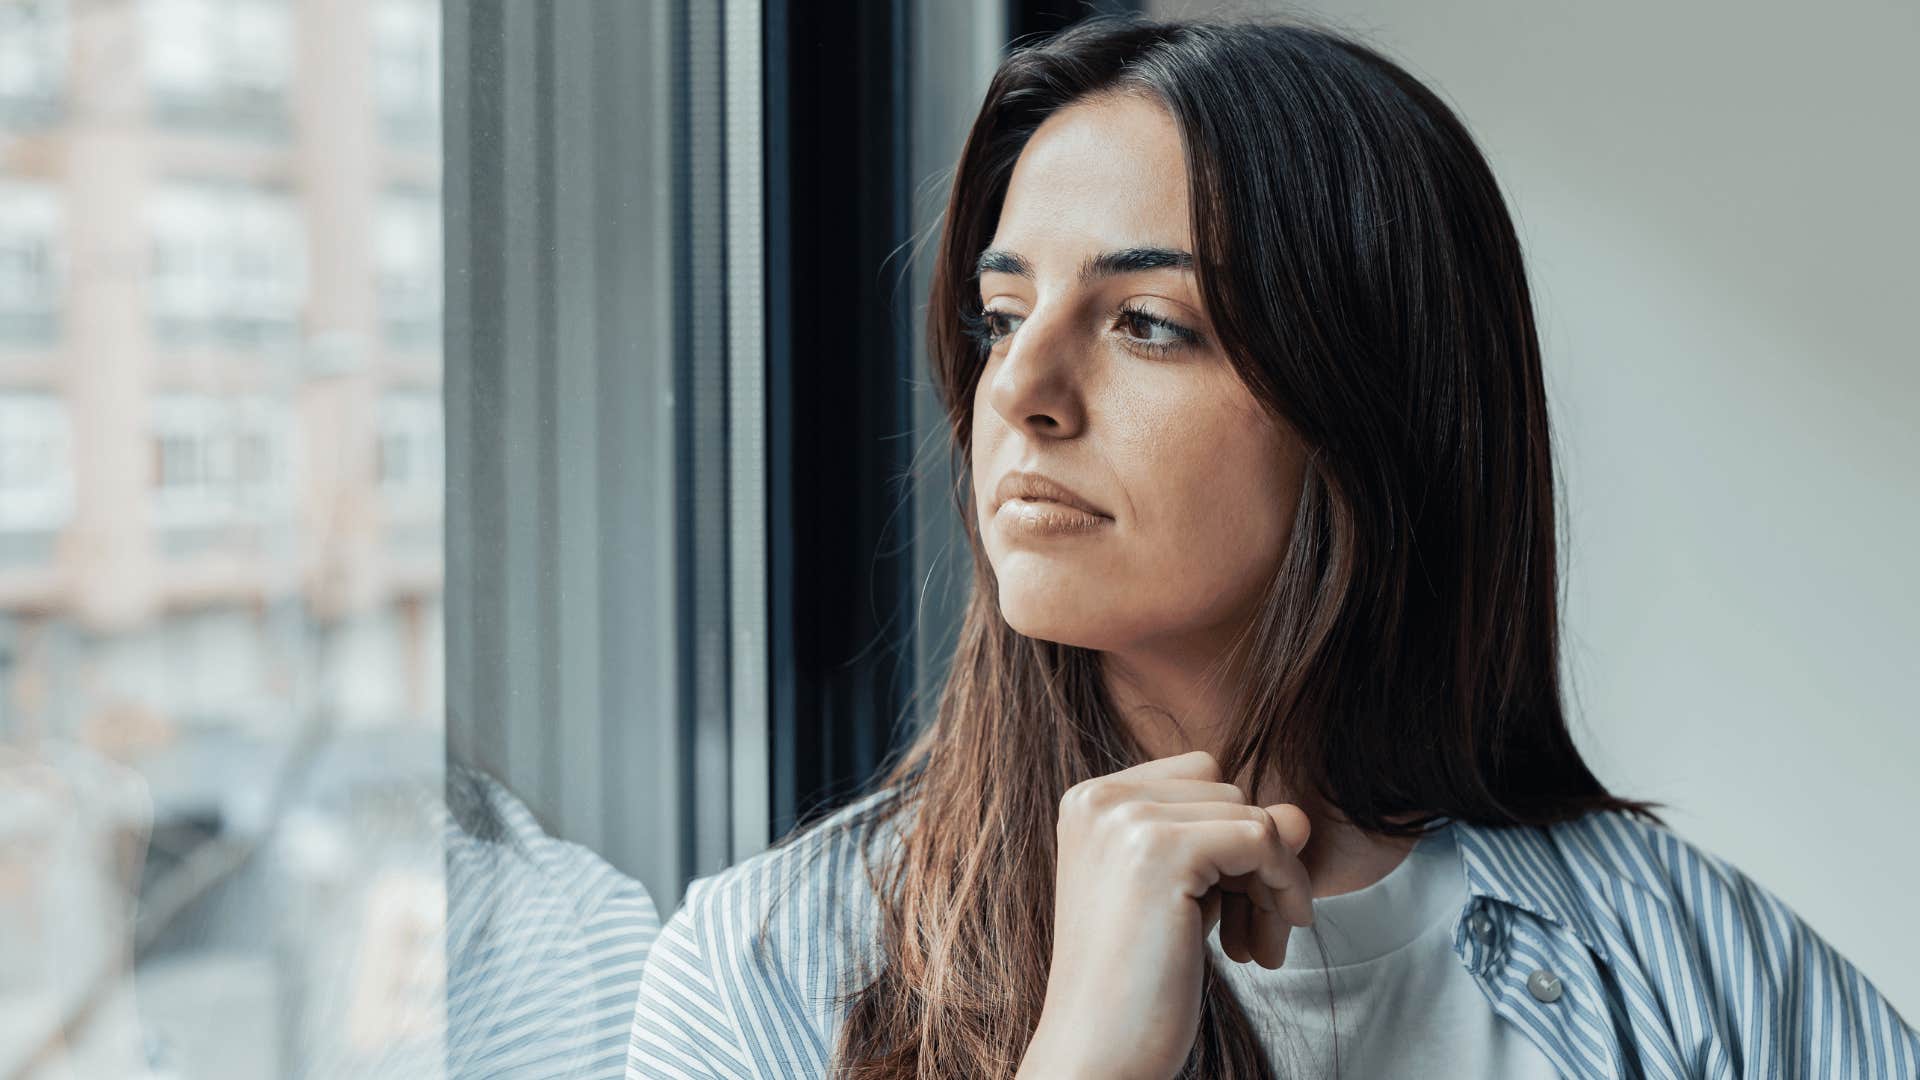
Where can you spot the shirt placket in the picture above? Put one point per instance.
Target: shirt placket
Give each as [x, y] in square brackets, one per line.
[1543, 980]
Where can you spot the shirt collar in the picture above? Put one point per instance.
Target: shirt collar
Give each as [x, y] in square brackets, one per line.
[1526, 867]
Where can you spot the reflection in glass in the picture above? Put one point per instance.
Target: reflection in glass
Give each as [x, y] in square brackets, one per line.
[222, 840]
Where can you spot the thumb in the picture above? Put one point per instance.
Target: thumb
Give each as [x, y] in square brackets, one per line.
[1292, 823]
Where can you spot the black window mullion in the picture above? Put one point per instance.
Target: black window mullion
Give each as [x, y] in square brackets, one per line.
[839, 411]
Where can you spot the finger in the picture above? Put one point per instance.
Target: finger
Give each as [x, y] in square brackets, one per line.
[1174, 790]
[1199, 810]
[1209, 910]
[1294, 825]
[1222, 849]
[1236, 927]
[1264, 920]
[1192, 765]
[1295, 828]
[1250, 885]
[1271, 934]
[1153, 799]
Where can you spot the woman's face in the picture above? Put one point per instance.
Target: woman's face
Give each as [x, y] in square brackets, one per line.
[1196, 483]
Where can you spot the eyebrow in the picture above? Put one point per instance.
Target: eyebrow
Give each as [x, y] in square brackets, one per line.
[1131, 260]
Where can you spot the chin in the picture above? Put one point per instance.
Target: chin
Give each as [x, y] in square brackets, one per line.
[1050, 621]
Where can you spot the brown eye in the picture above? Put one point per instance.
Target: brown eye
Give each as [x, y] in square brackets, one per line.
[1143, 323]
[986, 328]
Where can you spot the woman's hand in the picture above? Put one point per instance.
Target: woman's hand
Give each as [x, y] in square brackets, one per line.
[1149, 859]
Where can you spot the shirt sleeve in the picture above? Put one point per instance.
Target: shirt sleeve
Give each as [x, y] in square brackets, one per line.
[1804, 1009]
[681, 1025]
[749, 977]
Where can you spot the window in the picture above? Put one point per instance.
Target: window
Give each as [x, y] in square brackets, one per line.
[407, 254]
[238, 650]
[650, 451]
[33, 59]
[219, 459]
[409, 458]
[229, 264]
[36, 466]
[406, 74]
[221, 676]
[222, 65]
[30, 263]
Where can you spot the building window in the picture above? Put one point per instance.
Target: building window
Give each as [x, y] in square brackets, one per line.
[33, 60]
[229, 264]
[410, 459]
[407, 267]
[220, 460]
[30, 264]
[219, 64]
[36, 465]
[406, 68]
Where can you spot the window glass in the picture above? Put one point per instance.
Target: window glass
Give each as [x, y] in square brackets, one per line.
[226, 65]
[33, 61]
[30, 270]
[222, 832]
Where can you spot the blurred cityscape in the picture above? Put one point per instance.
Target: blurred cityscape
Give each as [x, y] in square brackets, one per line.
[220, 535]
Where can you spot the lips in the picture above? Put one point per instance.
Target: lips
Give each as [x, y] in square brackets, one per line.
[1027, 484]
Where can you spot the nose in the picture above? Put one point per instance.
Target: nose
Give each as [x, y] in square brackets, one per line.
[1035, 383]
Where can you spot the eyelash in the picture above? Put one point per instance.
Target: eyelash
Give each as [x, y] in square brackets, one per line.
[979, 327]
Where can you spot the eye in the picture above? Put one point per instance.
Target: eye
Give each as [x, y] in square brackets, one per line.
[1135, 319]
[989, 327]
[985, 327]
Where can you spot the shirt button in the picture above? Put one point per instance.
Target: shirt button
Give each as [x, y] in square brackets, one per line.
[1482, 926]
[1544, 985]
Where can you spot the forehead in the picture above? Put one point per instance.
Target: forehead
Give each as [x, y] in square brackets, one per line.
[1102, 173]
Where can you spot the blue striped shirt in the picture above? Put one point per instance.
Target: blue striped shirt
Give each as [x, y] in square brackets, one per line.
[1659, 959]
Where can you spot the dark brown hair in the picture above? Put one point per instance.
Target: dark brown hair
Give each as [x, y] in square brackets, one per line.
[1359, 267]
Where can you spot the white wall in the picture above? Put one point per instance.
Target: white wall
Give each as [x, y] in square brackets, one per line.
[1717, 200]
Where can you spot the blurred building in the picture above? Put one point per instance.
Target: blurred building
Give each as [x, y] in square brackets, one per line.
[219, 355]
[220, 466]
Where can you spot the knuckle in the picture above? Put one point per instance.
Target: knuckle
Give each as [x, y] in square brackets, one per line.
[1263, 821]
[1142, 842]
[1128, 813]
[1079, 799]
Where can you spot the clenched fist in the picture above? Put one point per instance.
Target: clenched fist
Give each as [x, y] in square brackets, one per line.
[1150, 858]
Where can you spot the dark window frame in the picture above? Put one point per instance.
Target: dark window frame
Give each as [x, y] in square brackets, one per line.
[690, 230]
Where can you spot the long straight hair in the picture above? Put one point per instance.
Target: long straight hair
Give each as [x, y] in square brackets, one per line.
[1362, 274]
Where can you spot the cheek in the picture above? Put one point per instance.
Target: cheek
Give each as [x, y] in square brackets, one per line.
[990, 457]
[982, 442]
[1215, 493]
[1224, 503]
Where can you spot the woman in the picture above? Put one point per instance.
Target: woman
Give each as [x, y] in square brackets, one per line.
[1252, 760]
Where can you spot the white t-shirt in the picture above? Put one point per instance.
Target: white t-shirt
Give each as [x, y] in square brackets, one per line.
[1406, 1004]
